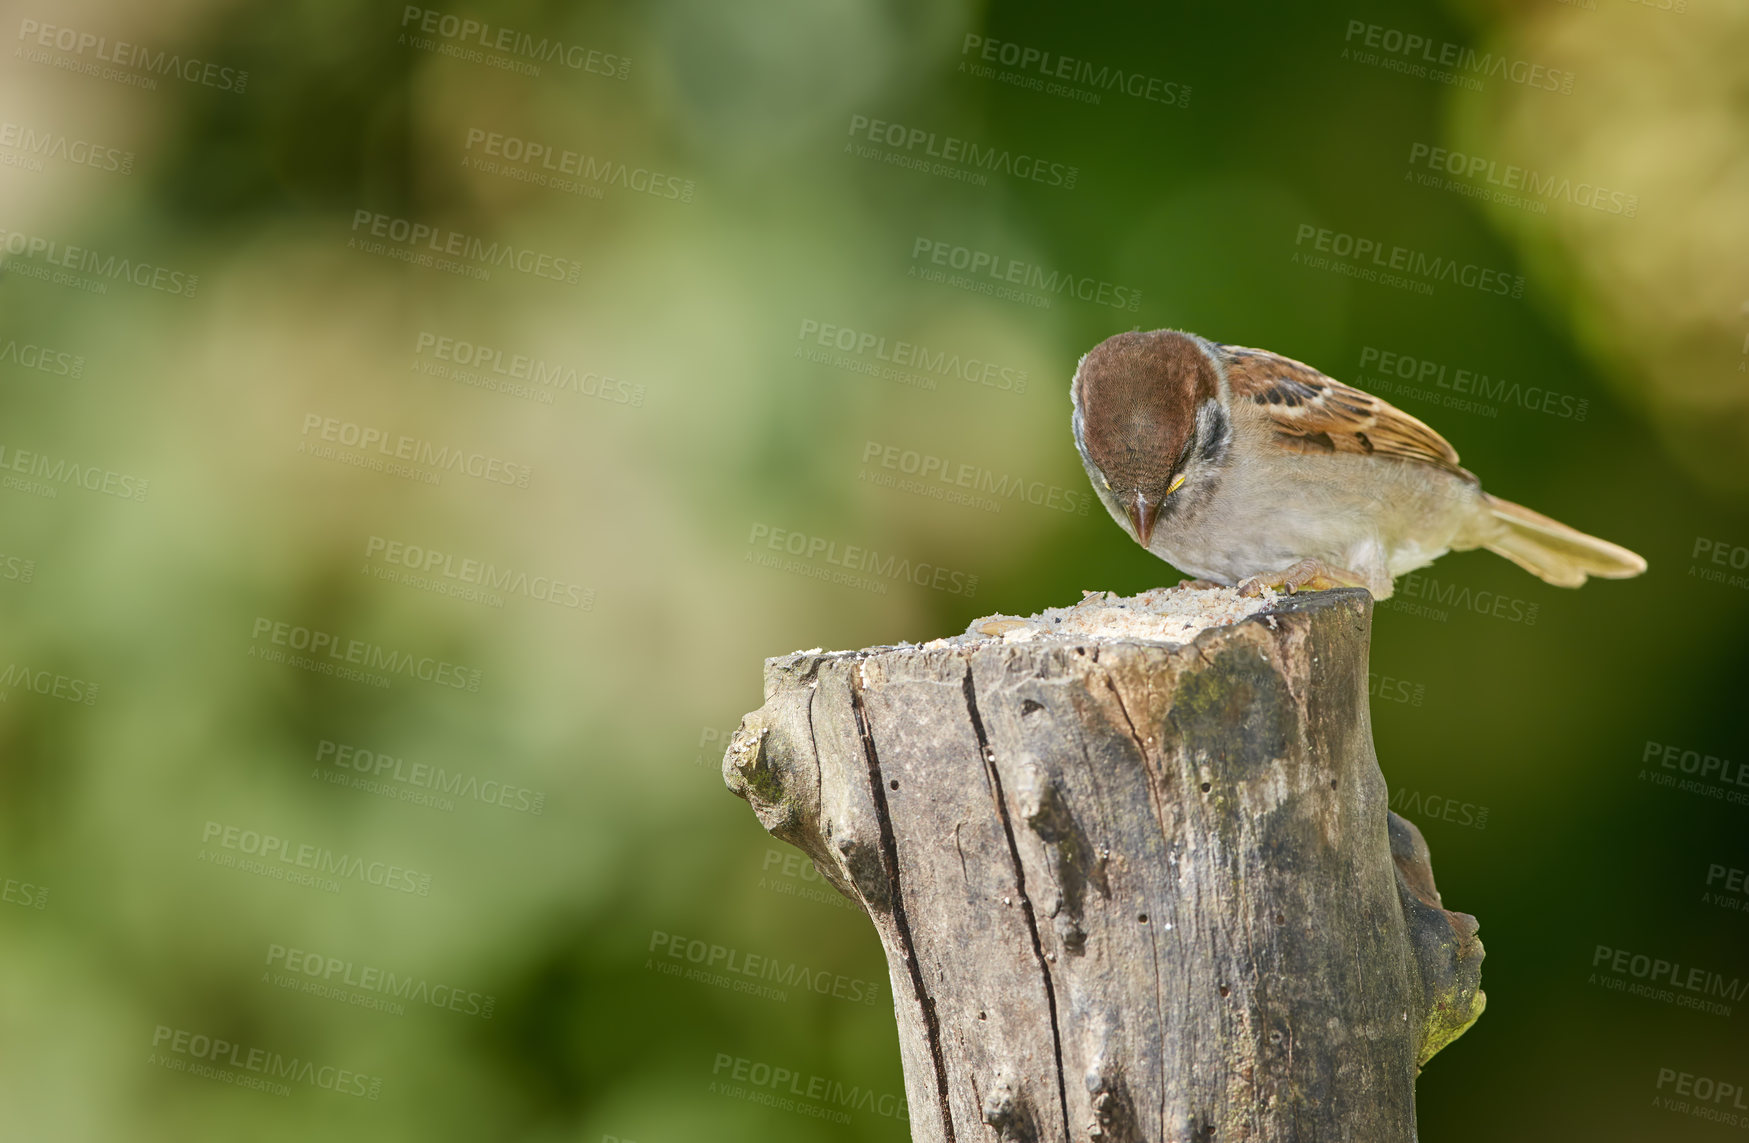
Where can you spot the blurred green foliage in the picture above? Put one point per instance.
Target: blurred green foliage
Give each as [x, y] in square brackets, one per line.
[695, 422]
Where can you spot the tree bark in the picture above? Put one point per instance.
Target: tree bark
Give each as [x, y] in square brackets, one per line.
[1127, 891]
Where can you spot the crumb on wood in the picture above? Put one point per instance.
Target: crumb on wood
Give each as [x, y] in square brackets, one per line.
[1170, 615]
[1163, 615]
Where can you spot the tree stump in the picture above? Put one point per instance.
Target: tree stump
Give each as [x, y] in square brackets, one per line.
[1128, 891]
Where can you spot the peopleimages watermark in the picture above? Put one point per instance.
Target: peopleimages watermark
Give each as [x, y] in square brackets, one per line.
[1692, 772]
[851, 564]
[397, 454]
[713, 742]
[1743, 353]
[16, 569]
[1393, 689]
[751, 973]
[1444, 61]
[961, 482]
[895, 359]
[1720, 554]
[1400, 267]
[1063, 76]
[58, 263]
[453, 251]
[1420, 807]
[1417, 594]
[366, 986]
[476, 41]
[353, 659]
[801, 1092]
[1667, 981]
[17, 677]
[1383, 371]
[215, 1058]
[421, 783]
[920, 149]
[793, 875]
[467, 578]
[87, 53]
[562, 169]
[24, 894]
[517, 374]
[43, 475]
[1501, 183]
[1726, 887]
[28, 148]
[41, 358]
[1701, 1097]
[1011, 279]
[276, 857]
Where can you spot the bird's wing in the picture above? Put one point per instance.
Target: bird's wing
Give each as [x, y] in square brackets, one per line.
[1315, 413]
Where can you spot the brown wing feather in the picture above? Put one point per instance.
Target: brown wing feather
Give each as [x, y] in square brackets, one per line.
[1315, 413]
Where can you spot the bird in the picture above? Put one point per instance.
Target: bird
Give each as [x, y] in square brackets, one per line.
[1252, 470]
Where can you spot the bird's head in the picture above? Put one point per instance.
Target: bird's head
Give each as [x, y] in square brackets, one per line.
[1149, 419]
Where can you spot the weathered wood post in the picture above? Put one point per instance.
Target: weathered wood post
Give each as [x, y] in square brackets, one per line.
[1129, 891]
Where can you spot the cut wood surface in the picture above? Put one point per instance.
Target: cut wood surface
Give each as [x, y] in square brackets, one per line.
[1128, 890]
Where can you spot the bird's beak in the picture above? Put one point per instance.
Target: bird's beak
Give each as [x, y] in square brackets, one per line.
[1141, 514]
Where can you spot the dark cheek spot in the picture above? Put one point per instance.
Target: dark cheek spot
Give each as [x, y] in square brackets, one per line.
[1218, 434]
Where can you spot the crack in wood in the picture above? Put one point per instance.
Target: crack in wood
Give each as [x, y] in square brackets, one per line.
[1155, 784]
[890, 857]
[960, 849]
[1038, 949]
[814, 741]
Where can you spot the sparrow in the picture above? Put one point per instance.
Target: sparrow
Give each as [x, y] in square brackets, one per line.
[1246, 468]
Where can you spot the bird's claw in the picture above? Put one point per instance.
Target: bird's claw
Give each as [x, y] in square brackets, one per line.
[1312, 575]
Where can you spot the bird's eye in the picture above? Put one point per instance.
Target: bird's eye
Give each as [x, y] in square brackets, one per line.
[1177, 483]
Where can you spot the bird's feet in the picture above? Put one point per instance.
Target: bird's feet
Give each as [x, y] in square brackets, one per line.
[1198, 584]
[1313, 575]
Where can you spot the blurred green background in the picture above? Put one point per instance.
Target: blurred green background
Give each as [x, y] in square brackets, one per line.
[708, 204]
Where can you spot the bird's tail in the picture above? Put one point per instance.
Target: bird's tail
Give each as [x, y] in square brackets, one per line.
[1548, 548]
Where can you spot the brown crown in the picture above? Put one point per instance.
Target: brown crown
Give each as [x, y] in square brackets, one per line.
[1138, 394]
